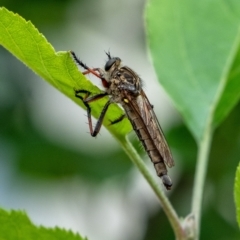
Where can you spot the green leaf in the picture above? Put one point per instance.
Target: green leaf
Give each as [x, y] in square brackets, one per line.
[231, 93]
[16, 225]
[195, 50]
[24, 41]
[237, 194]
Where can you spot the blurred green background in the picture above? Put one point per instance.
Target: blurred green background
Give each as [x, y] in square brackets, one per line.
[52, 168]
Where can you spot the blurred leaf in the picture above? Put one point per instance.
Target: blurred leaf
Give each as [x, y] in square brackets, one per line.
[231, 93]
[182, 142]
[195, 51]
[36, 155]
[39, 11]
[23, 40]
[224, 159]
[237, 194]
[16, 225]
[225, 148]
[157, 227]
[220, 228]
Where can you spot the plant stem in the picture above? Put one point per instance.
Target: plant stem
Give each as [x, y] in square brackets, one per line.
[166, 205]
[201, 168]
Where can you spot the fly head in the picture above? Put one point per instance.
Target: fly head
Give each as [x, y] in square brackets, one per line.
[120, 77]
[112, 63]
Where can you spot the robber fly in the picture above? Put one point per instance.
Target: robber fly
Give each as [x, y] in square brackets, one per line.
[124, 86]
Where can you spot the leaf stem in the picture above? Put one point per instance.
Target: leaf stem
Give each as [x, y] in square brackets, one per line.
[201, 169]
[166, 205]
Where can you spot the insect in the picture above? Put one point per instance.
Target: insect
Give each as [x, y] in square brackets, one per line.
[124, 86]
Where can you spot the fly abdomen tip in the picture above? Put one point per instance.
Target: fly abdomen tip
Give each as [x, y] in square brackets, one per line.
[167, 182]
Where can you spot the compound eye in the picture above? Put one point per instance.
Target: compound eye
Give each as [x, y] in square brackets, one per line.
[109, 63]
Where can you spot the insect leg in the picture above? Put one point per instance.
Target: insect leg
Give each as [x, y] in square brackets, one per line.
[100, 120]
[88, 69]
[95, 71]
[86, 100]
[118, 119]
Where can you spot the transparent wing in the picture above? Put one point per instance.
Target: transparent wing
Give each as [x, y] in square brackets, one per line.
[154, 128]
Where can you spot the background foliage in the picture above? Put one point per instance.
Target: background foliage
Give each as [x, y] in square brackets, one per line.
[54, 161]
